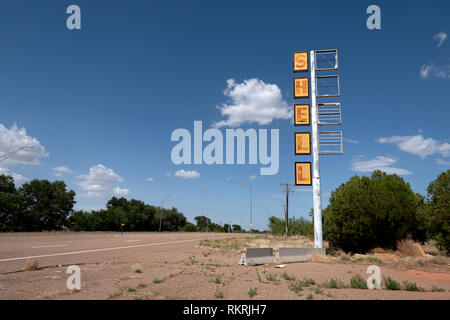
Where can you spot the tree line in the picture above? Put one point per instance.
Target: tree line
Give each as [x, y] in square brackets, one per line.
[378, 211]
[40, 205]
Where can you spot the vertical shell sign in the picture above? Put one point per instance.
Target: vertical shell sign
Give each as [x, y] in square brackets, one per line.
[303, 174]
[301, 61]
[301, 87]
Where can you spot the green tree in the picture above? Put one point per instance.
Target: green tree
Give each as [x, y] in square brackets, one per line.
[10, 204]
[46, 205]
[438, 201]
[236, 228]
[365, 213]
[202, 222]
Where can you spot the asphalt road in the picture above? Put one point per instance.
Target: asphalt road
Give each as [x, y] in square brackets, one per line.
[61, 248]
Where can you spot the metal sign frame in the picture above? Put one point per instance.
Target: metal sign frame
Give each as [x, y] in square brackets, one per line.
[328, 115]
[335, 51]
[333, 138]
[328, 95]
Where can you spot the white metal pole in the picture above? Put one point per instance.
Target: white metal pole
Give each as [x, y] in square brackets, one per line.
[318, 239]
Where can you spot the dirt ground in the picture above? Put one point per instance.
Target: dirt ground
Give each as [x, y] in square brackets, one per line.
[210, 270]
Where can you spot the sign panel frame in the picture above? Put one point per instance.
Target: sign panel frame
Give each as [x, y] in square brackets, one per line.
[310, 174]
[319, 52]
[307, 88]
[298, 153]
[298, 106]
[298, 53]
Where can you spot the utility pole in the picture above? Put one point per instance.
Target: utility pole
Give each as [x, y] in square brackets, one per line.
[286, 208]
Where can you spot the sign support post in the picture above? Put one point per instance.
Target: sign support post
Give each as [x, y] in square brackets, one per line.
[317, 197]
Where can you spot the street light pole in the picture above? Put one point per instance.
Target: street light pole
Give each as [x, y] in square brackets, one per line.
[162, 205]
[248, 187]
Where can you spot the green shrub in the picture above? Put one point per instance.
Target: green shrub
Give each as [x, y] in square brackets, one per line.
[252, 292]
[287, 277]
[391, 284]
[412, 286]
[333, 284]
[438, 208]
[365, 213]
[437, 289]
[156, 280]
[358, 282]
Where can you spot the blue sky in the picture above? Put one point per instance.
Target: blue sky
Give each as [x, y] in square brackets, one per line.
[99, 104]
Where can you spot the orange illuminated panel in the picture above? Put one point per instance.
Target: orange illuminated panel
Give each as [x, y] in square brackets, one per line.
[300, 61]
[303, 176]
[301, 88]
[301, 115]
[302, 143]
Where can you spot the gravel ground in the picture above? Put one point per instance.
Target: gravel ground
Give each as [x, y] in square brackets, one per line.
[185, 270]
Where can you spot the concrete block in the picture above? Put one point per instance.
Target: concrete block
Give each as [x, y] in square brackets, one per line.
[256, 256]
[296, 254]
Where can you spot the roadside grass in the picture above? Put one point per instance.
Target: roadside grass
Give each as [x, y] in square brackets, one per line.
[287, 277]
[412, 286]
[219, 294]
[138, 270]
[374, 260]
[345, 258]
[298, 285]
[333, 284]
[257, 241]
[31, 265]
[272, 278]
[391, 284]
[358, 282]
[131, 290]
[252, 292]
[310, 297]
[117, 294]
[192, 260]
[156, 280]
[217, 280]
[437, 289]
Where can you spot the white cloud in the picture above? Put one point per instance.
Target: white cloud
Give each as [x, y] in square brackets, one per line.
[437, 70]
[443, 162]
[149, 179]
[418, 145]
[187, 174]
[252, 177]
[60, 171]
[101, 182]
[121, 192]
[351, 141]
[379, 163]
[440, 38]
[252, 101]
[15, 138]
[18, 178]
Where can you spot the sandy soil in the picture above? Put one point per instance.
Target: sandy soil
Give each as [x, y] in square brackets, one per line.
[185, 270]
